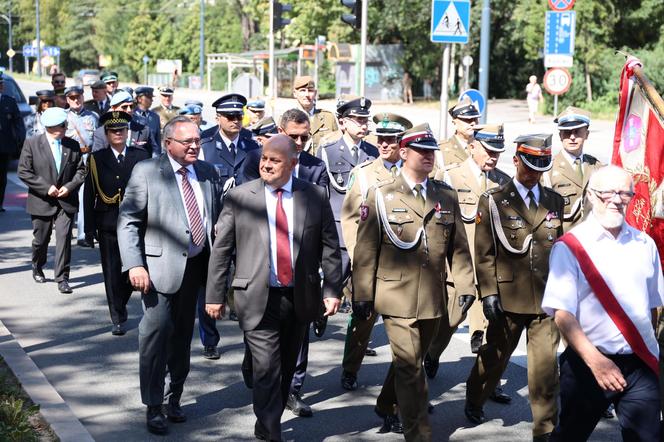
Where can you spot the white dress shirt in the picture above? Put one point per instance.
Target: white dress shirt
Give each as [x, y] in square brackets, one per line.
[630, 266]
[227, 141]
[198, 193]
[412, 184]
[571, 158]
[124, 155]
[52, 145]
[523, 192]
[271, 204]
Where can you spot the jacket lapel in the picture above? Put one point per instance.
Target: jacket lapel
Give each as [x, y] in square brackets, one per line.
[257, 188]
[223, 151]
[204, 182]
[240, 152]
[542, 207]
[566, 169]
[300, 207]
[172, 185]
[406, 196]
[517, 202]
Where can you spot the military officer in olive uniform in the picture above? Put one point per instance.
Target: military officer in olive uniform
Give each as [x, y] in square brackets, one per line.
[108, 174]
[323, 122]
[388, 129]
[400, 272]
[517, 224]
[465, 117]
[471, 179]
[571, 167]
[166, 110]
[341, 156]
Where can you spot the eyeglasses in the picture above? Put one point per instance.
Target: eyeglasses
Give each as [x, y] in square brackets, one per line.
[303, 138]
[188, 142]
[608, 195]
[126, 106]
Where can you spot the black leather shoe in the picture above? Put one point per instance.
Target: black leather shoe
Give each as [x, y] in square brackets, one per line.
[500, 396]
[348, 380]
[370, 352]
[118, 329]
[298, 406]
[391, 422]
[63, 286]
[542, 437]
[261, 433]
[430, 366]
[87, 243]
[211, 352]
[608, 413]
[474, 414]
[320, 324]
[476, 341]
[233, 316]
[429, 407]
[174, 412]
[156, 421]
[38, 275]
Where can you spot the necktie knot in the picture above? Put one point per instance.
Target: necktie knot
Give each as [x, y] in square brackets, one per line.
[183, 171]
[120, 158]
[532, 204]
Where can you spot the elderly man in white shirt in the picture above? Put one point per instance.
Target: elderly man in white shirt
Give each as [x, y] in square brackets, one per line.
[611, 357]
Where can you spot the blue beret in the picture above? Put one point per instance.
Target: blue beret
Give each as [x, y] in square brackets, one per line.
[193, 103]
[121, 96]
[256, 104]
[190, 110]
[53, 116]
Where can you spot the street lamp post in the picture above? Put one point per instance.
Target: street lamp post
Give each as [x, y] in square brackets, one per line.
[39, 59]
[8, 19]
[201, 55]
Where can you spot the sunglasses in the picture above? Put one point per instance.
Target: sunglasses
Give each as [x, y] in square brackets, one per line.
[303, 138]
[74, 97]
[232, 117]
[126, 106]
[61, 126]
[117, 131]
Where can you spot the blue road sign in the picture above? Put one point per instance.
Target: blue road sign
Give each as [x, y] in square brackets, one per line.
[29, 51]
[476, 97]
[450, 21]
[559, 33]
[53, 51]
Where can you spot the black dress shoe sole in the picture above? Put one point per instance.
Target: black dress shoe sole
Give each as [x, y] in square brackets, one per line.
[370, 352]
[476, 419]
[348, 384]
[118, 332]
[500, 398]
[66, 290]
[177, 419]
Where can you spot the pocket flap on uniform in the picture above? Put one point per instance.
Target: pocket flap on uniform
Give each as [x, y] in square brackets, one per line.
[445, 219]
[512, 224]
[240, 283]
[400, 218]
[389, 275]
[152, 250]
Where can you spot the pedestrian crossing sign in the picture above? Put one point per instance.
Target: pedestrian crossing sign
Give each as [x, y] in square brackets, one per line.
[450, 20]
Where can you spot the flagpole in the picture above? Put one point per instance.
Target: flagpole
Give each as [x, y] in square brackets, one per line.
[650, 92]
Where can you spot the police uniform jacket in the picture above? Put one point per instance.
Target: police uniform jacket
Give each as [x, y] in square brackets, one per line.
[453, 150]
[411, 283]
[216, 152]
[36, 168]
[368, 173]
[165, 115]
[518, 278]
[141, 137]
[107, 177]
[12, 128]
[563, 179]
[150, 119]
[323, 123]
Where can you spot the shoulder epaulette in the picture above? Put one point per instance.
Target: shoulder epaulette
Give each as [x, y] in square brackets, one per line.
[442, 184]
[591, 159]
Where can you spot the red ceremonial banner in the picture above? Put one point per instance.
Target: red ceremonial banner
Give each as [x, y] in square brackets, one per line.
[638, 147]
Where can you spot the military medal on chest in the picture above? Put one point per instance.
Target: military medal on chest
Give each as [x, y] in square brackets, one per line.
[438, 209]
[340, 179]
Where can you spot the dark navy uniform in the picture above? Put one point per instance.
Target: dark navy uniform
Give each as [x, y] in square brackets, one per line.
[216, 152]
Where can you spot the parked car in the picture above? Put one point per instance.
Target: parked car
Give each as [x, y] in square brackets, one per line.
[86, 77]
[13, 90]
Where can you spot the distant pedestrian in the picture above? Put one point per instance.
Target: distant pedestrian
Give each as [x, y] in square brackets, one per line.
[407, 84]
[605, 279]
[534, 98]
[427, 89]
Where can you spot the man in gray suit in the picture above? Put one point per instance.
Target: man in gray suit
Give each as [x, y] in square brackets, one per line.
[165, 229]
[282, 231]
[52, 167]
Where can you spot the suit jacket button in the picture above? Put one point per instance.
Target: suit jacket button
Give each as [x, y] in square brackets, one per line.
[184, 254]
[187, 232]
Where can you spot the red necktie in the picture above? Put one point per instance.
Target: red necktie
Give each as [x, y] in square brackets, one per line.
[195, 221]
[284, 268]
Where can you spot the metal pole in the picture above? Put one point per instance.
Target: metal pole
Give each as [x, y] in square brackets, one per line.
[145, 71]
[466, 81]
[201, 53]
[11, 44]
[316, 63]
[485, 36]
[39, 66]
[442, 132]
[270, 78]
[555, 105]
[363, 46]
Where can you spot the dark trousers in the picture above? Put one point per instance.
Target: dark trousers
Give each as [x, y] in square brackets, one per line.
[582, 401]
[301, 364]
[358, 334]
[207, 326]
[4, 166]
[274, 345]
[116, 283]
[165, 331]
[42, 226]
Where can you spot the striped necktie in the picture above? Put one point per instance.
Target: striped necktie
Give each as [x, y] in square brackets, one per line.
[195, 221]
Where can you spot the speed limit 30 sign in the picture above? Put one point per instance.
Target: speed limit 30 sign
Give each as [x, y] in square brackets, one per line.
[557, 81]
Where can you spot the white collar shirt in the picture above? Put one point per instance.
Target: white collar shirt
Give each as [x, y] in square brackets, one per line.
[53, 144]
[411, 185]
[523, 192]
[198, 193]
[227, 141]
[271, 205]
[388, 165]
[571, 158]
[631, 267]
[124, 154]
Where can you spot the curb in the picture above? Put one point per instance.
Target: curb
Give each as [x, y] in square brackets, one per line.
[52, 407]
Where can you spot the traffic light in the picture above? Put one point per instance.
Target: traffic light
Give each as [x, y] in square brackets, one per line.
[355, 17]
[277, 20]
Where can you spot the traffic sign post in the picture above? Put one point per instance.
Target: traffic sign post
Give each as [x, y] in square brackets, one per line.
[557, 81]
[559, 32]
[467, 61]
[450, 21]
[476, 98]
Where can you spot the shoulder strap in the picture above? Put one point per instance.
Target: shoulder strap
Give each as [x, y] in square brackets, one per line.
[610, 303]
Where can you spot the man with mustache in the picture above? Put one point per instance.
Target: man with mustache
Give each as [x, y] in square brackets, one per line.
[605, 280]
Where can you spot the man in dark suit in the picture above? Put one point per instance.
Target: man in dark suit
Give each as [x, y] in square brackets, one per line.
[109, 172]
[295, 124]
[52, 167]
[12, 135]
[284, 231]
[140, 135]
[165, 229]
